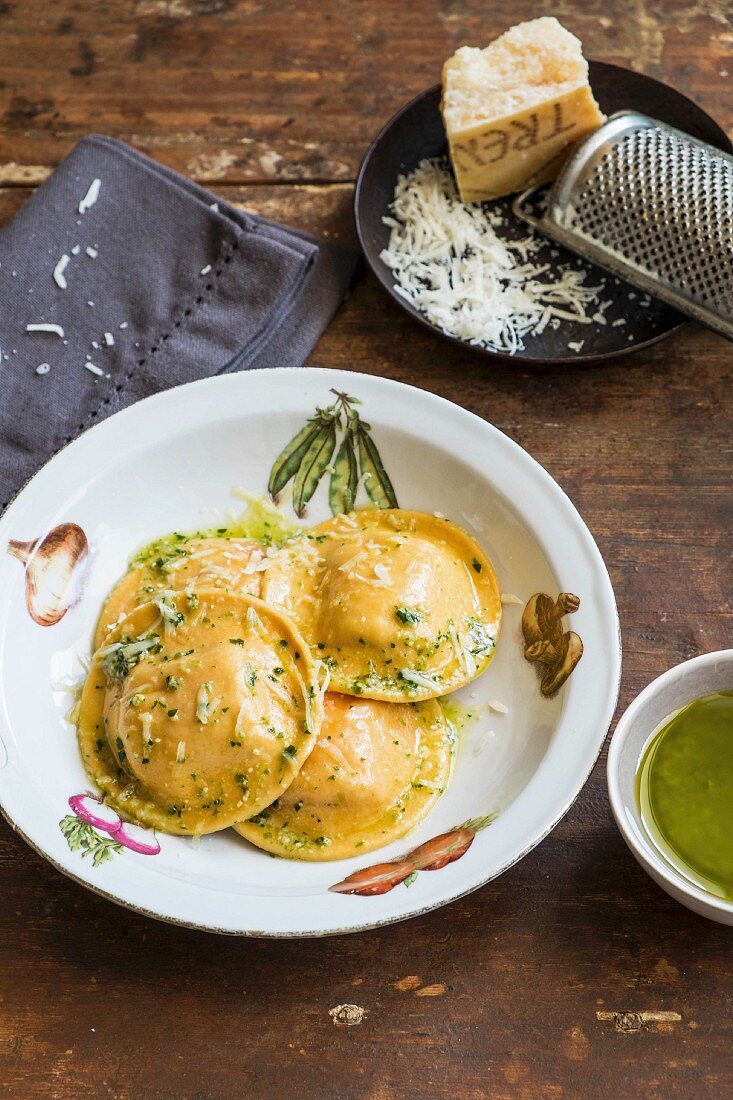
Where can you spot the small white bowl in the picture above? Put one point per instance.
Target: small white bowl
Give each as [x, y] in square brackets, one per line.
[681, 685]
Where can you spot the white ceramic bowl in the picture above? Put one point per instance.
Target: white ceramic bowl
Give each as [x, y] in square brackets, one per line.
[171, 463]
[681, 685]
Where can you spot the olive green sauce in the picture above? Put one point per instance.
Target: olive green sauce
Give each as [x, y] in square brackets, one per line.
[684, 788]
[458, 716]
[261, 521]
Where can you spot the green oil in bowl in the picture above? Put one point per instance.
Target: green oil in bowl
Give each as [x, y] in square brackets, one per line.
[684, 788]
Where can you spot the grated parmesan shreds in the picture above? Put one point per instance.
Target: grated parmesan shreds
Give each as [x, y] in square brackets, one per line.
[419, 679]
[58, 272]
[450, 263]
[55, 330]
[91, 196]
[146, 721]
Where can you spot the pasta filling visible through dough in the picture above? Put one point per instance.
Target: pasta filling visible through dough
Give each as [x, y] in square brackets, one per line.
[193, 719]
[400, 605]
[204, 706]
[377, 770]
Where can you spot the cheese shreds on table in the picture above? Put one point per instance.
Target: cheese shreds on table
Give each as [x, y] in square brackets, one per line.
[514, 110]
[55, 330]
[450, 263]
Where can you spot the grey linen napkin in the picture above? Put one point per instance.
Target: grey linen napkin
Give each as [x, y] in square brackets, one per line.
[154, 282]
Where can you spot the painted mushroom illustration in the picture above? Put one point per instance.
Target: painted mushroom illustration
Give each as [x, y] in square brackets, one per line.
[54, 566]
[546, 642]
[430, 856]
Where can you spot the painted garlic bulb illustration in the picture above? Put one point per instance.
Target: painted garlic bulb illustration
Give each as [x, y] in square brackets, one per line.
[54, 566]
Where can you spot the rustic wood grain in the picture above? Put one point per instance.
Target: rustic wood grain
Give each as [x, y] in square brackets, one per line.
[572, 975]
[289, 90]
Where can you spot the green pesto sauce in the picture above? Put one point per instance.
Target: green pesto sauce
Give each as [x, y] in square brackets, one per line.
[684, 787]
[261, 521]
[456, 714]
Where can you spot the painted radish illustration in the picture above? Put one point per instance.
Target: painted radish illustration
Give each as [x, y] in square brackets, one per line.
[92, 817]
[430, 856]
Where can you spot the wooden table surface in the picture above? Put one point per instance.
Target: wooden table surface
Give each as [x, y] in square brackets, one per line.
[572, 974]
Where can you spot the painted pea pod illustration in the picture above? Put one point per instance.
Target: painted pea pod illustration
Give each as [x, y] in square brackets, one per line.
[54, 569]
[344, 481]
[288, 462]
[313, 465]
[376, 479]
[308, 457]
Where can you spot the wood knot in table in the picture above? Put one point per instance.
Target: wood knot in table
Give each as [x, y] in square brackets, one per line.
[347, 1015]
[640, 1021]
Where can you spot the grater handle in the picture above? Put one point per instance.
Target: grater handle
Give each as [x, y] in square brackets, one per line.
[520, 211]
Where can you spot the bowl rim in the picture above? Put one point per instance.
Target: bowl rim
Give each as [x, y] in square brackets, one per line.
[641, 845]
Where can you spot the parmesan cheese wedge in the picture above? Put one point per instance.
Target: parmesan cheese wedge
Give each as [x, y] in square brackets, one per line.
[514, 110]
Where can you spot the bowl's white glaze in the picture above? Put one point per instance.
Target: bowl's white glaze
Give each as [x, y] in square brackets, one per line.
[681, 685]
[170, 463]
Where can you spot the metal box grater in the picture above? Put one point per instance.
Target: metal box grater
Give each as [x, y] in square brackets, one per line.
[653, 206]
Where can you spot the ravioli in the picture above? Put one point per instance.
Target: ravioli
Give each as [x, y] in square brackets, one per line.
[191, 720]
[180, 564]
[400, 605]
[376, 771]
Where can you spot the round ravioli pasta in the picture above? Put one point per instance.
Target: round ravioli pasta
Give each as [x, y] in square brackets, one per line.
[181, 564]
[376, 771]
[191, 720]
[400, 605]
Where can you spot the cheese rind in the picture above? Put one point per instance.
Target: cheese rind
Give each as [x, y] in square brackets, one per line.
[514, 111]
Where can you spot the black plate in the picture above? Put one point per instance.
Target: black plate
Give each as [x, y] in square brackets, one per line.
[417, 131]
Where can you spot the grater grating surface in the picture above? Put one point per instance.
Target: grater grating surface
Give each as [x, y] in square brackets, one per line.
[654, 206]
